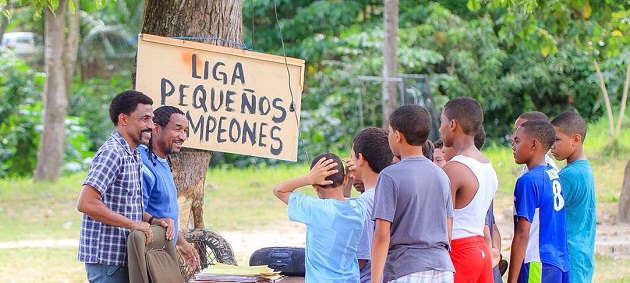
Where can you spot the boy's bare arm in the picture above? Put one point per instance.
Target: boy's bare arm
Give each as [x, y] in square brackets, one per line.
[455, 178]
[347, 190]
[496, 237]
[350, 169]
[495, 254]
[487, 237]
[380, 246]
[519, 246]
[322, 169]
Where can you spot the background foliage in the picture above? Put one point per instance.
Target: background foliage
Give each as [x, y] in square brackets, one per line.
[20, 122]
[513, 56]
[20, 115]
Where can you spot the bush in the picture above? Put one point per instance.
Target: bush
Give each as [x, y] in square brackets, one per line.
[21, 109]
[20, 115]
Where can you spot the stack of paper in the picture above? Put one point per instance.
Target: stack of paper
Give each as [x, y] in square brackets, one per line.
[231, 273]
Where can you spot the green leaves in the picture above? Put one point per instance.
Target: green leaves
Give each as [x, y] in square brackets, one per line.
[21, 108]
[20, 115]
[473, 5]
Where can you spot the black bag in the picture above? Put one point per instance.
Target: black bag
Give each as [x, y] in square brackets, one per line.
[287, 260]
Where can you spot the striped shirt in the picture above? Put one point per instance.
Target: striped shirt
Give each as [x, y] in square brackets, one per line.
[115, 173]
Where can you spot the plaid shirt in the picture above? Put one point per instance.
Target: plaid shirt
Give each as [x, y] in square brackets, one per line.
[116, 172]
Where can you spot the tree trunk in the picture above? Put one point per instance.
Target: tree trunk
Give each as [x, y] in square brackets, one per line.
[390, 59]
[624, 98]
[624, 199]
[51, 145]
[71, 45]
[4, 20]
[190, 185]
[200, 19]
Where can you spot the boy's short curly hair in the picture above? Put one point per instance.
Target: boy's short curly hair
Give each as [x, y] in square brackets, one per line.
[467, 112]
[570, 123]
[372, 143]
[438, 144]
[541, 131]
[413, 122]
[336, 178]
[534, 116]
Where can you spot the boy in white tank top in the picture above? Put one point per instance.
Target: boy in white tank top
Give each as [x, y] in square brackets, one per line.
[473, 184]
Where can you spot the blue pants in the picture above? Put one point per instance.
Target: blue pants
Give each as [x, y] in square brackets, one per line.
[100, 273]
[538, 272]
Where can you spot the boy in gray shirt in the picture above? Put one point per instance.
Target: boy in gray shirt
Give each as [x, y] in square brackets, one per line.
[413, 207]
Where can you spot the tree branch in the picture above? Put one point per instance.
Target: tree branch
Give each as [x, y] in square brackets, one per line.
[624, 98]
[602, 84]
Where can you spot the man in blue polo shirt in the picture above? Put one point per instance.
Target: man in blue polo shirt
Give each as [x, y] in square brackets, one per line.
[159, 191]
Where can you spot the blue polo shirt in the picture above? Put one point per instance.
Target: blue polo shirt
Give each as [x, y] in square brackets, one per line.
[159, 191]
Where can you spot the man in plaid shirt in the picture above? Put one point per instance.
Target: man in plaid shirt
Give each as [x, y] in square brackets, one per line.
[111, 196]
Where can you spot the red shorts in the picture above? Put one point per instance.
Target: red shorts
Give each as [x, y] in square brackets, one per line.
[472, 260]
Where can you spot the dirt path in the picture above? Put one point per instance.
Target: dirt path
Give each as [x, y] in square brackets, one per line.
[39, 244]
[244, 243]
[612, 239]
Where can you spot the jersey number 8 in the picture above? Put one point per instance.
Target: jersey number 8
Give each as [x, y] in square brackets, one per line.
[558, 200]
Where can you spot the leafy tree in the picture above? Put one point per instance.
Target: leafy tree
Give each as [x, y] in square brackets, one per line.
[20, 122]
[204, 19]
[20, 113]
[602, 33]
[107, 33]
[308, 26]
[90, 99]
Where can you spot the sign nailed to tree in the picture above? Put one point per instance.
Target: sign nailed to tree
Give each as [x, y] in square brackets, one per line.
[235, 101]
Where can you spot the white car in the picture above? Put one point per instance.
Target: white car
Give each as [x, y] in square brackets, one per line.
[24, 44]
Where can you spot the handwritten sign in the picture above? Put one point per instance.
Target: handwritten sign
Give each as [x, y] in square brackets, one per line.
[235, 101]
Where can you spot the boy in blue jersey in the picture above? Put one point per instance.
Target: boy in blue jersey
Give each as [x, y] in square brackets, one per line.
[539, 248]
[578, 188]
[333, 223]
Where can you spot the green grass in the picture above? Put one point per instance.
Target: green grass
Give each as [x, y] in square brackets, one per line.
[609, 269]
[241, 199]
[52, 264]
[31, 211]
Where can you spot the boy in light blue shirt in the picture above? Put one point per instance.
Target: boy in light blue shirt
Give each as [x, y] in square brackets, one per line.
[333, 223]
[578, 187]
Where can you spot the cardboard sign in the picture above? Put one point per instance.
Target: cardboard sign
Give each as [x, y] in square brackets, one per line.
[235, 101]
